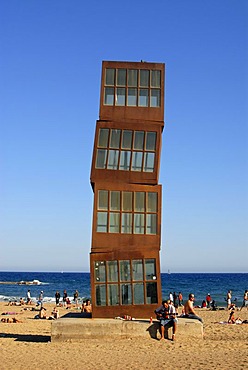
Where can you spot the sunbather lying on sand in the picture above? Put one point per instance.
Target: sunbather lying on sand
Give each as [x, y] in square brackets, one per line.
[10, 320]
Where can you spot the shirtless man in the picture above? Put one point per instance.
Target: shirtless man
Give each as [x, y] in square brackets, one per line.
[189, 311]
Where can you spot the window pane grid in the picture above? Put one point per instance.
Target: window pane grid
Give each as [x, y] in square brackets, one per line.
[127, 212]
[126, 150]
[132, 87]
[125, 282]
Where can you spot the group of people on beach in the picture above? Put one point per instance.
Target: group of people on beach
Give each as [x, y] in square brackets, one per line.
[167, 314]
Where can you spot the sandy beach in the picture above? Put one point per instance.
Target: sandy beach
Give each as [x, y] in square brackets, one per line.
[27, 345]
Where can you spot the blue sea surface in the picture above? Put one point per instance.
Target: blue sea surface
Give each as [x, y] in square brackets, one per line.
[217, 284]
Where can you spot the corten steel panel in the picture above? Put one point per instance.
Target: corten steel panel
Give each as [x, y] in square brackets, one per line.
[126, 112]
[112, 241]
[134, 177]
[137, 311]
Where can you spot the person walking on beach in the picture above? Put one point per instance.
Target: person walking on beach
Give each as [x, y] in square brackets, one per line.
[40, 299]
[29, 297]
[189, 311]
[57, 298]
[75, 298]
[167, 318]
[65, 298]
[245, 300]
[229, 299]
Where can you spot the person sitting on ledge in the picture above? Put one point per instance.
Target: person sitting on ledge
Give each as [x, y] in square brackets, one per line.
[189, 311]
[167, 318]
[87, 307]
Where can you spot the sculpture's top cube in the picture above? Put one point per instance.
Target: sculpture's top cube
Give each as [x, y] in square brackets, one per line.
[132, 91]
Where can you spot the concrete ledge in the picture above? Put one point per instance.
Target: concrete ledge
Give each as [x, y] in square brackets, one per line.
[81, 328]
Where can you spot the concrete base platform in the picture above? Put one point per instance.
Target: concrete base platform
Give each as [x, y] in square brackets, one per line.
[81, 328]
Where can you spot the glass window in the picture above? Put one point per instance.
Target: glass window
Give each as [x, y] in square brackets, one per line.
[155, 98]
[138, 293]
[137, 161]
[150, 269]
[112, 271]
[143, 98]
[102, 200]
[127, 201]
[126, 294]
[100, 271]
[126, 223]
[115, 139]
[103, 138]
[149, 162]
[137, 269]
[125, 272]
[132, 77]
[132, 97]
[102, 222]
[114, 222]
[101, 295]
[101, 158]
[125, 161]
[144, 78]
[113, 160]
[155, 79]
[126, 139]
[110, 76]
[138, 140]
[114, 200]
[121, 77]
[109, 96]
[152, 202]
[151, 224]
[139, 201]
[151, 293]
[121, 96]
[139, 221]
[150, 141]
[113, 295]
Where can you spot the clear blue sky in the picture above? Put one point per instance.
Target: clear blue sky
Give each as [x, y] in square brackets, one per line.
[50, 66]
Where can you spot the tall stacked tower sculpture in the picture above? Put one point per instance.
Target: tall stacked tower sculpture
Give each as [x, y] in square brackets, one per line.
[126, 228]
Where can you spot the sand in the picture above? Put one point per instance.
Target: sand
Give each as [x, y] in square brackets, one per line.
[27, 345]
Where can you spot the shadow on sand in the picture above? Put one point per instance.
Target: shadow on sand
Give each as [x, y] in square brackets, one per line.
[77, 315]
[27, 337]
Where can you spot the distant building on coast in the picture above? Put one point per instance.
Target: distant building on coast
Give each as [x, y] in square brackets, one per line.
[126, 228]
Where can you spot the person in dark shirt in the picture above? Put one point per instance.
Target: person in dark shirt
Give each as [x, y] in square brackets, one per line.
[57, 298]
[167, 318]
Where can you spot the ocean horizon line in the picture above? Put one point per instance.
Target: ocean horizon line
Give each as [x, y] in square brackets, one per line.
[162, 272]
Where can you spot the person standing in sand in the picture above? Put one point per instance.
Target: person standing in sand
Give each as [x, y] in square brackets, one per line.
[229, 299]
[75, 298]
[65, 298]
[29, 297]
[180, 299]
[189, 311]
[57, 298]
[245, 300]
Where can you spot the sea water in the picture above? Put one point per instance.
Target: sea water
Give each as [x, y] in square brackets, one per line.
[217, 284]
